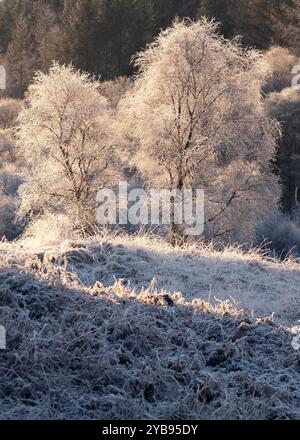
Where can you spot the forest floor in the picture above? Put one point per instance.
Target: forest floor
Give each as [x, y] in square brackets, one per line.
[129, 327]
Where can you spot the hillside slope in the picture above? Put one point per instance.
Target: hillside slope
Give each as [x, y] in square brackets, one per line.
[83, 345]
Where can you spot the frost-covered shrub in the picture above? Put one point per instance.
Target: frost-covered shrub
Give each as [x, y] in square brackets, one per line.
[7, 147]
[10, 179]
[281, 62]
[9, 110]
[49, 229]
[280, 235]
[284, 103]
[114, 90]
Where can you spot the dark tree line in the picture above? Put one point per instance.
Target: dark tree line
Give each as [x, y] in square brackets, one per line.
[98, 36]
[101, 36]
[259, 22]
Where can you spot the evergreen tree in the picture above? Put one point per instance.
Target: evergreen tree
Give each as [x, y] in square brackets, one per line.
[290, 31]
[125, 27]
[79, 23]
[20, 59]
[56, 5]
[46, 33]
[167, 10]
[6, 24]
[101, 36]
[285, 107]
[255, 20]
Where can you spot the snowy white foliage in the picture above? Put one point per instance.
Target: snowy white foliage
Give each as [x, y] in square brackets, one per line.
[65, 133]
[196, 119]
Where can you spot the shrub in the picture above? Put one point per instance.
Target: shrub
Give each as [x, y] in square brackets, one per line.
[280, 235]
[281, 62]
[58, 226]
[9, 226]
[9, 110]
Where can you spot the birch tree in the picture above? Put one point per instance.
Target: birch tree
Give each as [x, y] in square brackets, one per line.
[65, 134]
[196, 120]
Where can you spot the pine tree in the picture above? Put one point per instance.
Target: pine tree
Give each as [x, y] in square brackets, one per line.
[167, 10]
[46, 37]
[6, 24]
[79, 22]
[285, 106]
[20, 59]
[124, 29]
[255, 20]
[290, 31]
[101, 36]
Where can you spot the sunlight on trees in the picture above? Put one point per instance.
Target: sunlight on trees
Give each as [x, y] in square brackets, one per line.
[66, 136]
[197, 120]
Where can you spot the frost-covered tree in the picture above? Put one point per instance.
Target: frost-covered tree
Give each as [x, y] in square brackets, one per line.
[197, 120]
[66, 136]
